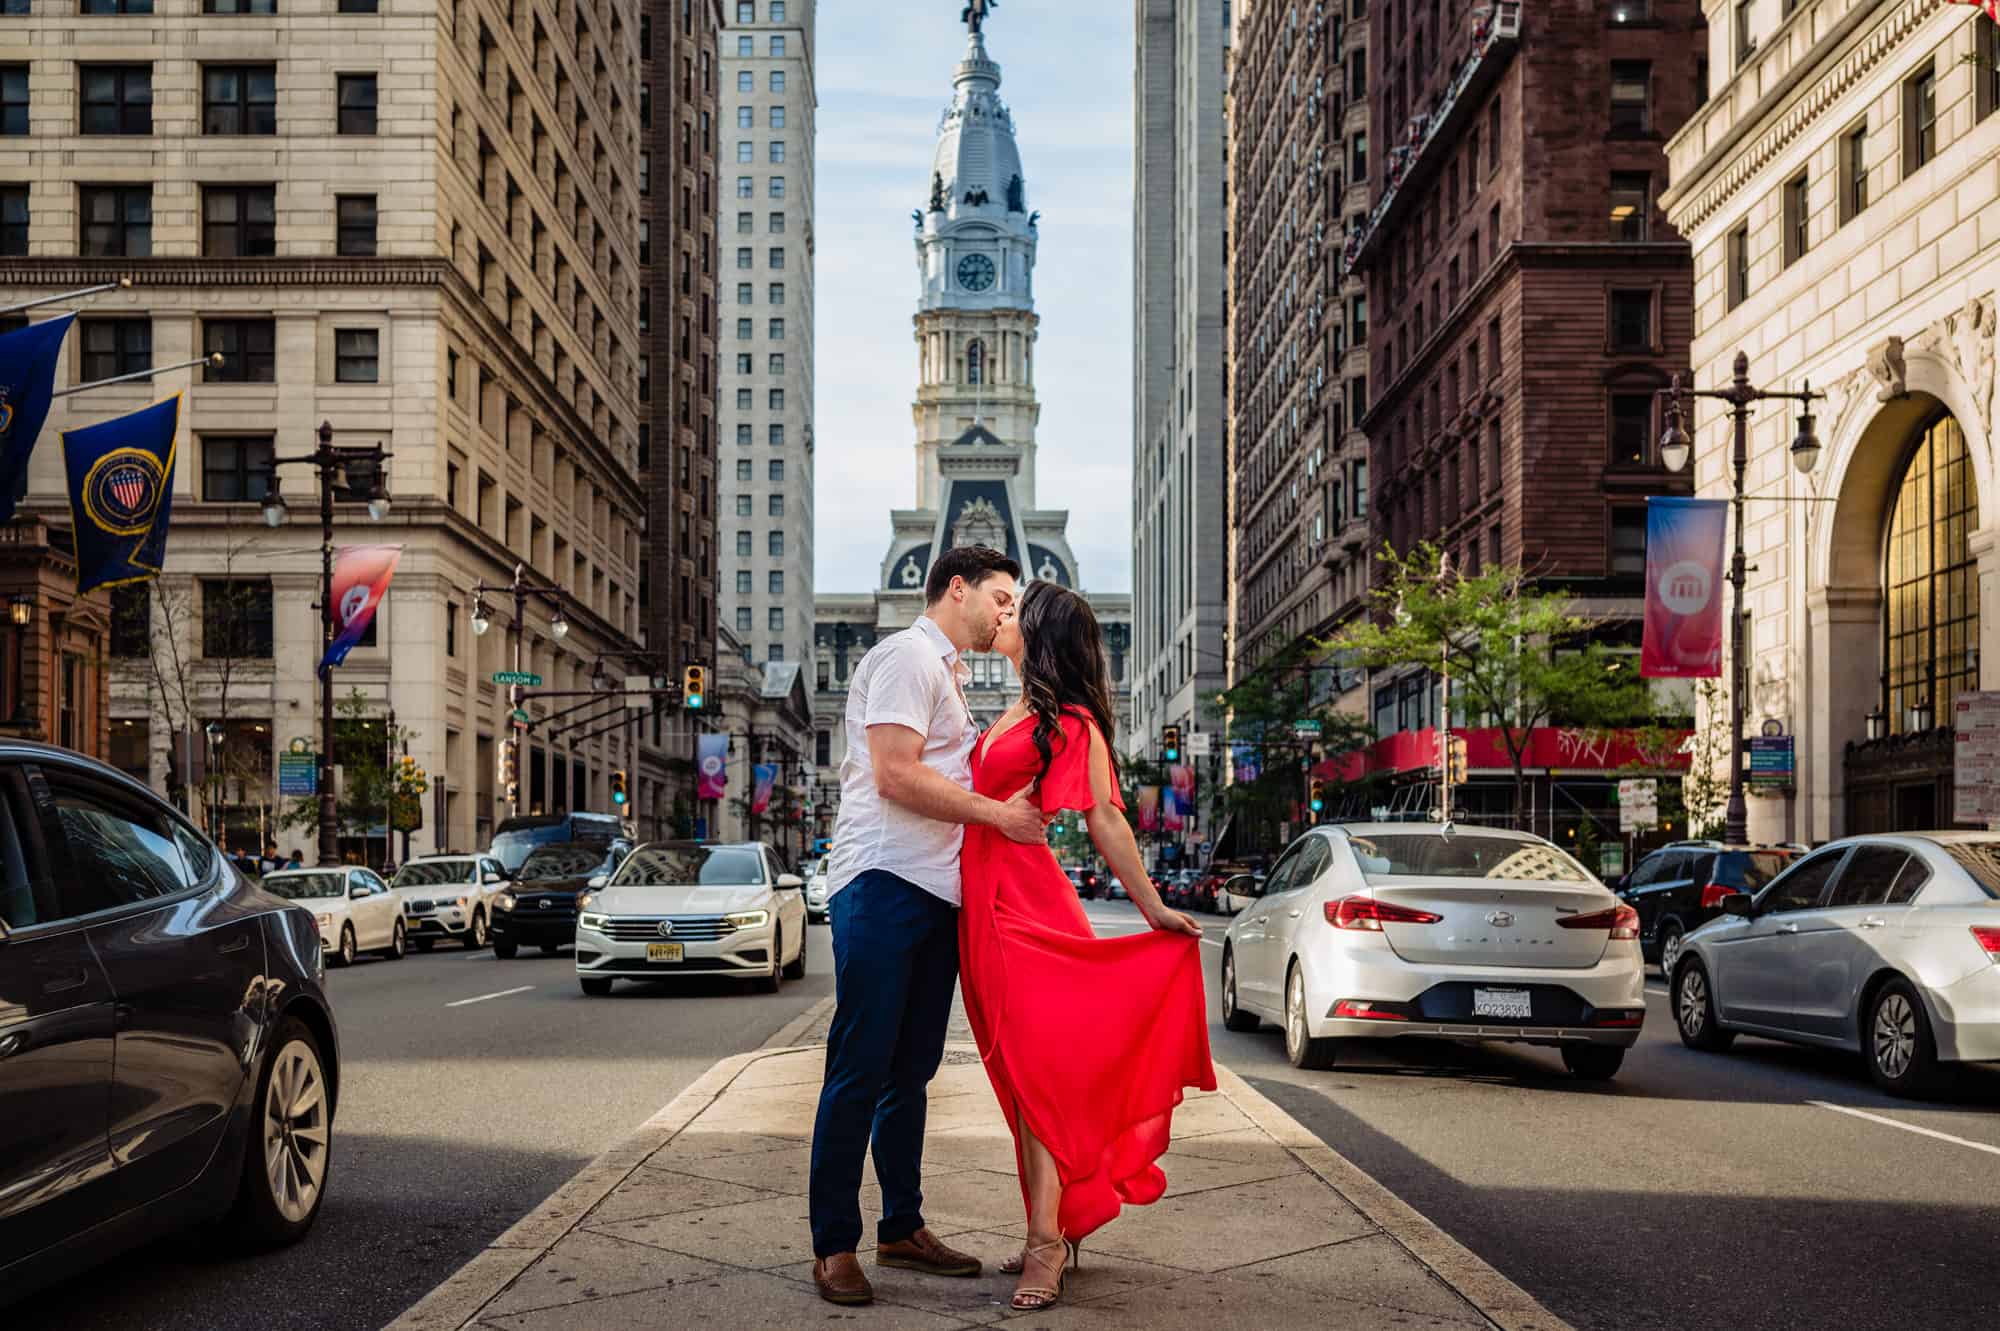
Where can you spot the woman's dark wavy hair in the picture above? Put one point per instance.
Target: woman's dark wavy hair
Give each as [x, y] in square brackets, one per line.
[1062, 666]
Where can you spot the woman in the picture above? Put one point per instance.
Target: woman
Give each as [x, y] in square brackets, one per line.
[1088, 1041]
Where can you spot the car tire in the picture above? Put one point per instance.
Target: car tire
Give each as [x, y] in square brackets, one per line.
[268, 1212]
[1671, 948]
[1896, 1041]
[1593, 1062]
[596, 986]
[550, 949]
[1300, 1047]
[344, 954]
[399, 944]
[475, 937]
[1692, 996]
[505, 949]
[426, 944]
[1234, 1018]
[797, 969]
[770, 984]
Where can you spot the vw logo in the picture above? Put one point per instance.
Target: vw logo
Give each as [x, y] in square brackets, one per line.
[1500, 919]
[666, 928]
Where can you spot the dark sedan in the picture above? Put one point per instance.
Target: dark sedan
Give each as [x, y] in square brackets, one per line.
[538, 909]
[167, 1052]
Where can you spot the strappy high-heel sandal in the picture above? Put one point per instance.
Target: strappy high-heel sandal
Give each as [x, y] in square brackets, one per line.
[1034, 1298]
[1012, 1265]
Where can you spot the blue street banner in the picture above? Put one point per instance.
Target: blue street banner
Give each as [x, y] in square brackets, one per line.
[121, 494]
[27, 380]
[764, 778]
[361, 575]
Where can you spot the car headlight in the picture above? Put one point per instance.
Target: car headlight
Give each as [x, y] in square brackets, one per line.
[584, 900]
[593, 921]
[504, 901]
[748, 919]
[326, 921]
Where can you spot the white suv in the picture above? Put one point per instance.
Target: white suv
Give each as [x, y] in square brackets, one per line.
[448, 896]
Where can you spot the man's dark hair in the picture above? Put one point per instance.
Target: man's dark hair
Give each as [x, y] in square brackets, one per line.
[974, 563]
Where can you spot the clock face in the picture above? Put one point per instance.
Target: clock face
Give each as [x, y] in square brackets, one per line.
[975, 272]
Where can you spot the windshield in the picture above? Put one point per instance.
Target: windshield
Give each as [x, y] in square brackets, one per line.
[563, 861]
[1464, 855]
[1749, 870]
[706, 866]
[432, 874]
[306, 886]
[512, 848]
[1980, 860]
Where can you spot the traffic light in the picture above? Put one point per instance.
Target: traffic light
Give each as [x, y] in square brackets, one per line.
[1170, 744]
[1316, 795]
[694, 685]
[620, 796]
[1454, 762]
[510, 763]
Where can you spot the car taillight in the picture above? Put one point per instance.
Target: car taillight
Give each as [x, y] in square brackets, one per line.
[1989, 938]
[1369, 914]
[1361, 1010]
[1713, 894]
[1622, 921]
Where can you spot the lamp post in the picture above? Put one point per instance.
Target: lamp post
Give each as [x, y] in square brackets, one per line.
[355, 469]
[213, 730]
[520, 588]
[1675, 448]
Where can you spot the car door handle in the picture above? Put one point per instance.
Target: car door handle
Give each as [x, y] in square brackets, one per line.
[12, 1043]
[236, 944]
[63, 986]
[1788, 928]
[1292, 914]
[1874, 922]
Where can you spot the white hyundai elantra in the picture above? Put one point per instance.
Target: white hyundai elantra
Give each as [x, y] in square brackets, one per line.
[683, 908]
[1373, 931]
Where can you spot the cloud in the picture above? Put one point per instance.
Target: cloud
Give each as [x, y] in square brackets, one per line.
[884, 79]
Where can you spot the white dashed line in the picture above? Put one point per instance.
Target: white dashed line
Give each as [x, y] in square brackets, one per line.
[522, 989]
[1906, 1127]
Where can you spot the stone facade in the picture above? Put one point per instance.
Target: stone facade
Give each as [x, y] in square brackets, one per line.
[1842, 193]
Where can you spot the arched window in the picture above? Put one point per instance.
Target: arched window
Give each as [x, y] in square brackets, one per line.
[975, 362]
[1930, 582]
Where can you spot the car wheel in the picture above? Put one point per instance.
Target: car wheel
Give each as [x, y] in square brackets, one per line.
[475, 938]
[1593, 1062]
[1897, 1041]
[505, 949]
[1693, 998]
[426, 944]
[1300, 1047]
[770, 984]
[596, 986]
[1234, 1018]
[287, 1159]
[1671, 948]
[399, 946]
[344, 955]
[797, 970]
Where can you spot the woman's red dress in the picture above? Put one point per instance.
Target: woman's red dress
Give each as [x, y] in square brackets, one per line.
[1088, 1041]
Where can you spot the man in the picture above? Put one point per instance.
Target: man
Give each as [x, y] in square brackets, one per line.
[893, 894]
[270, 861]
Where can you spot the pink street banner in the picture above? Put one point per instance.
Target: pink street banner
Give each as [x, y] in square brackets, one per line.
[1684, 540]
[711, 765]
[1149, 808]
[764, 777]
[361, 576]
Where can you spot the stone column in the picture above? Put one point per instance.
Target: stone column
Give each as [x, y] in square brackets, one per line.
[1843, 684]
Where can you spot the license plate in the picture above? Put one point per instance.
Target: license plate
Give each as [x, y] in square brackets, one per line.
[665, 951]
[1514, 1003]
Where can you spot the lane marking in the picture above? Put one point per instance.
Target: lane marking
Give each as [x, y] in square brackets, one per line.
[1906, 1127]
[522, 989]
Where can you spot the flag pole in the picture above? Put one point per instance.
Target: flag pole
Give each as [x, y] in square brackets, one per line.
[122, 284]
[213, 358]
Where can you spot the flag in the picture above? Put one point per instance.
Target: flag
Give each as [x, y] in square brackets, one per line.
[1149, 808]
[1684, 539]
[711, 766]
[764, 776]
[121, 494]
[27, 379]
[1992, 7]
[1248, 762]
[361, 576]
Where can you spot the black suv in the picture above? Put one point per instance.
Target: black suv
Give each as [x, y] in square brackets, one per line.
[538, 908]
[1678, 888]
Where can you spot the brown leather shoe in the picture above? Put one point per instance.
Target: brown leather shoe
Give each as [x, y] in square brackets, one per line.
[923, 1252]
[840, 1280]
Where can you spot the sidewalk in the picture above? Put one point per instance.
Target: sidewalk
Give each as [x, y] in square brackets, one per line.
[699, 1219]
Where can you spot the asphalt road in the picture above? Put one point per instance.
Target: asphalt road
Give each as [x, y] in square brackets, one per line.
[1765, 1189]
[471, 1089]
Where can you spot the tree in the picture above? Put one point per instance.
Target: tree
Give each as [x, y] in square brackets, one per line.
[1263, 711]
[361, 745]
[1520, 657]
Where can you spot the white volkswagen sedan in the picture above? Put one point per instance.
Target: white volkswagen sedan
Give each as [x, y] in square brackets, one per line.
[1373, 931]
[683, 908]
[356, 910]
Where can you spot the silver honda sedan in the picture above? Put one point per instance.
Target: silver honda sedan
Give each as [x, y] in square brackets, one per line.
[1883, 945]
[1372, 931]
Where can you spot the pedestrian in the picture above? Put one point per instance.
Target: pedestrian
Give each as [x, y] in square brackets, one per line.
[270, 861]
[893, 893]
[297, 860]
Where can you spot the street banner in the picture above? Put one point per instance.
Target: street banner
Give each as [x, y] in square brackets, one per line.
[711, 765]
[1638, 804]
[1684, 540]
[1992, 7]
[1149, 808]
[27, 381]
[121, 494]
[1976, 758]
[1244, 758]
[763, 777]
[361, 576]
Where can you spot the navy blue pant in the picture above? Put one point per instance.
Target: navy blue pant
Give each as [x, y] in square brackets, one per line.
[895, 960]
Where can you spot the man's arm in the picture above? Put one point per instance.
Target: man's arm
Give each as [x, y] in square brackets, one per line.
[901, 777]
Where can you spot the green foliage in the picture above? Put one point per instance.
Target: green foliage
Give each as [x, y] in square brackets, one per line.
[1264, 710]
[361, 749]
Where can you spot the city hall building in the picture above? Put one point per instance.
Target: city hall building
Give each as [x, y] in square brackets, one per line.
[1841, 187]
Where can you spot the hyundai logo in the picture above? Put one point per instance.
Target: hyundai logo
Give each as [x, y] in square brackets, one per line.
[1500, 919]
[666, 928]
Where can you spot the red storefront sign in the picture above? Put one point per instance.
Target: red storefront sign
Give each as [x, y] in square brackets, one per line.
[1549, 748]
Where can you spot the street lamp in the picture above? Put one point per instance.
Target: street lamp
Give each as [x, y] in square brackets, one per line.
[1675, 447]
[21, 609]
[520, 588]
[1878, 723]
[350, 468]
[213, 730]
[482, 619]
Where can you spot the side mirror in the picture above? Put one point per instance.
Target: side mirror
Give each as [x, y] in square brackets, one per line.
[358, 891]
[790, 881]
[489, 877]
[599, 880]
[1738, 904]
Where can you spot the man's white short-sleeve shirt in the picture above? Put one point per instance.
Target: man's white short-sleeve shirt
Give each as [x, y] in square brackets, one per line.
[913, 679]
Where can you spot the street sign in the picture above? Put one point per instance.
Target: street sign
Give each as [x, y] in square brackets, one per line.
[1638, 805]
[298, 774]
[1772, 762]
[521, 717]
[1199, 744]
[1306, 727]
[1976, 761]
[533, 681]
[638, 692]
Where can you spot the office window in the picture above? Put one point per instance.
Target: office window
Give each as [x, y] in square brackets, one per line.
[746, 151]
[1357, 158]
[777, 436]
[743, 469]
[776, 583]
[356, 224]
[356, 355]
[236, 617]
[1746, 38]
[775, 544]
[777, 257]
[1853, 173]
[774, 620]
[742, 619]
[777, 364]
[745, 81]
[746, 117]
[746, 187]
[775, 506]
[1737, 256]
[742, 506]
[1631, 97]
[745, 223]
[357, 104]
[1797, 219]
[1919, 120]
[777, 152]
[236, 468]
[13, 100]
[1986, 67]
[777, 80]
[743, 582]
[777, 293]
[746, 293]
[248, 347]
[777, 117]
[777, 11]
[1632, 429]
[13, 221]
[777, 224]
[645, 241]
[746, 11]
[746, 47]
[777, 187]
[112, 347]
[777, 471]
[1632, 320]
[743, 362]
[1628, 542]
[116, 99]
[745, 330]
[239, 6]
[777, 330]
[239, 99]
[239, 221]
[743, 544]
[777, 399]
[1631, 206]
[743, 433]
[91, 7]
[744, 399]
[744, 257]
[1493, 134]
[117, 220]
[778, 48]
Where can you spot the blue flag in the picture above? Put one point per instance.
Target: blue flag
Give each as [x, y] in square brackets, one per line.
[27, 378]
[121, 494]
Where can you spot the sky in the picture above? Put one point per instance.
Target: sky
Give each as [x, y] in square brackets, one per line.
[884, 77]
